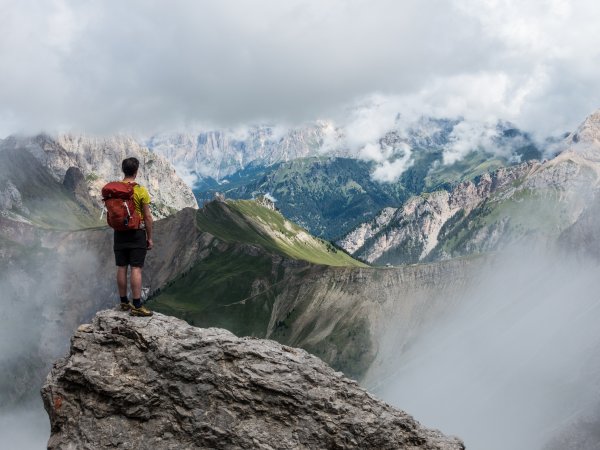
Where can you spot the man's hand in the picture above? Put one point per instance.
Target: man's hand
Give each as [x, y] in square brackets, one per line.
[149, 225]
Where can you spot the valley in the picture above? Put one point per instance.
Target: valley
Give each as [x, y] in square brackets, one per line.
[331, 307]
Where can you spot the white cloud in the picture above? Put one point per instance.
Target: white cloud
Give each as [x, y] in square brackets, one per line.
[372, 152]
[469, 136]
[270, 197]
[369, 119]
[389, 171]
[331, 136]
[186, 174]
[121, 66]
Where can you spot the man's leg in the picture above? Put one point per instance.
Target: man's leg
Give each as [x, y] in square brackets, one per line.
[136, 282]
[122, 261]
[136, 293]
[122, 286]
[122, 280]
[137, 262]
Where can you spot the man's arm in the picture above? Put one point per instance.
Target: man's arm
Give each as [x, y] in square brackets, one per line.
[148, 223]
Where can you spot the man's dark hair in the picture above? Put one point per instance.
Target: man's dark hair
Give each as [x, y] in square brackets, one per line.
[130, 166]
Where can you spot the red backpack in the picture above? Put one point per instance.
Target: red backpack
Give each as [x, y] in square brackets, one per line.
[120, 208]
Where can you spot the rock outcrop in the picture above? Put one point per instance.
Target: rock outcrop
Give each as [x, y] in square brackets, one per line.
[159, 383]
[10, 198]
[366, 231]
[588, 133]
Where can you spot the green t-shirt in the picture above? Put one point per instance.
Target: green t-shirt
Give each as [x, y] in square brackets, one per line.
[141, 197]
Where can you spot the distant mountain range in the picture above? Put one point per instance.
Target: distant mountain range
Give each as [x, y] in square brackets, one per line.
[530, 201]
[323, 183]
[218, 154]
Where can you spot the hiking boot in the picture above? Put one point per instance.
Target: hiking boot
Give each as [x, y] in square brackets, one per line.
[126, 306]
[142, 311]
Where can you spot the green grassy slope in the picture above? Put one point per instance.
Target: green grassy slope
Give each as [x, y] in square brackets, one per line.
[472, 165]
[231, 290]
[248, 222]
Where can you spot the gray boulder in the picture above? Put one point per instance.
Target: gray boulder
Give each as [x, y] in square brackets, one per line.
[140, 383]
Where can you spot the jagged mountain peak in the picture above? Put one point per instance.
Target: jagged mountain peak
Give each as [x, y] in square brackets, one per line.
[123, 142]
[579, 152]
[588, 132]
[217, 153]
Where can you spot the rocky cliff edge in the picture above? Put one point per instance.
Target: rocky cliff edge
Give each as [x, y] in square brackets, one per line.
[159, 383]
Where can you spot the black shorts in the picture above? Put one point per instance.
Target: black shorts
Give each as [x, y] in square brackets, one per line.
[133, 257]
[130, 248]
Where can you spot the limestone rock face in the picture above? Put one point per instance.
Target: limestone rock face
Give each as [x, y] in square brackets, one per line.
[99, 161]
[219, 153]
[357, 238]
[10, 197]
[157, 382]
[588, 132]
[412, 232]
[76, 184]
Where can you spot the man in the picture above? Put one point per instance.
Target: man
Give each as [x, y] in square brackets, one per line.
[130, 246]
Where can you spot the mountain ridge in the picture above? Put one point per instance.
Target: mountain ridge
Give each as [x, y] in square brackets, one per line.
[250, 222]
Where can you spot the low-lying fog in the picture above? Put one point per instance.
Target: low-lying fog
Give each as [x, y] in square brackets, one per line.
[517, 365]
[25, 427]
[44, 297]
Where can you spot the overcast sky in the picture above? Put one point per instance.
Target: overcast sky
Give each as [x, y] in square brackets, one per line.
[140, 65]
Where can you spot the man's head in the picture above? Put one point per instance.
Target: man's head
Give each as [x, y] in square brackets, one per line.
[130, 166]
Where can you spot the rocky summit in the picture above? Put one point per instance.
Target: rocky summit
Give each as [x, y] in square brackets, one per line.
[139, 383]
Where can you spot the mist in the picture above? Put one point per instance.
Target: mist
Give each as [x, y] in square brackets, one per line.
[28, 342]
[25, 427]
[515, 364]
[46, 293]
